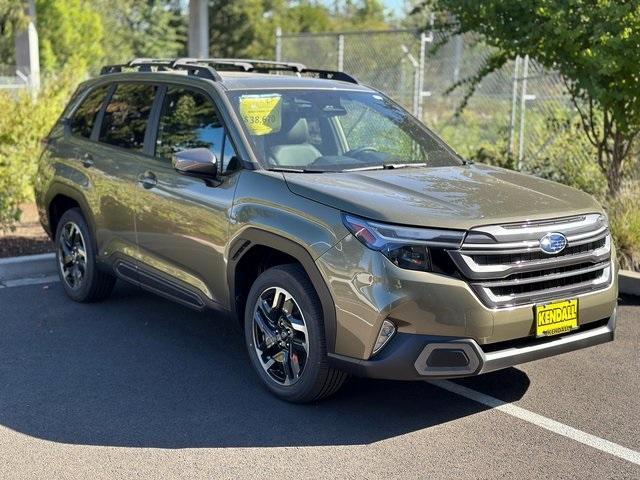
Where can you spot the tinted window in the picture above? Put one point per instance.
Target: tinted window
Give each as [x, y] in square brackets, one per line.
[85, 116]
[188, 120]
[125, 119]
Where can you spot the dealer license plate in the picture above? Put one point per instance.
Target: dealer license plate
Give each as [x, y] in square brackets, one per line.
[556, 318]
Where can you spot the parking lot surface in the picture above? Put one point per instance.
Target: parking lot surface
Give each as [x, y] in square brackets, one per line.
[138, 387]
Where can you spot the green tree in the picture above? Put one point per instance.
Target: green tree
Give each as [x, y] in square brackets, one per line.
[246, 28]
[363, 15]
[147, 28]
[11, 17]
[592, 43]
[79, 31]
[70, 31]
[233, 26]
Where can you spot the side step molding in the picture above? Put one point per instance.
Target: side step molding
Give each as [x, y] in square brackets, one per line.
[159, 284]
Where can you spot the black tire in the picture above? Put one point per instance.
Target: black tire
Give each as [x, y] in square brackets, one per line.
[316, 380]
[95, 284]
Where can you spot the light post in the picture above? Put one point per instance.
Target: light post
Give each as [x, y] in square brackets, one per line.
[27, 51]
[198, 29]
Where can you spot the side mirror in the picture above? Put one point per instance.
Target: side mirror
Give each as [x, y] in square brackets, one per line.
[196, 161]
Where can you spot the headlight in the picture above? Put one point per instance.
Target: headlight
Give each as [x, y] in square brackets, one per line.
[407, 247]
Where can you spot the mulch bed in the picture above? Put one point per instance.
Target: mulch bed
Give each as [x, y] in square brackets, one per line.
[28, 238]
[17, 246]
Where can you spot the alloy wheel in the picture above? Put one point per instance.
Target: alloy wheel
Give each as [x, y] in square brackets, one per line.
[280, 336]
[72, 255]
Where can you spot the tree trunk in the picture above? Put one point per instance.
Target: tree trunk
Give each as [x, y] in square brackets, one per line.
[614, 176]
[619, 152]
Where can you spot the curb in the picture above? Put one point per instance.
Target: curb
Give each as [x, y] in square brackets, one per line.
[16, 270]
[629, 282]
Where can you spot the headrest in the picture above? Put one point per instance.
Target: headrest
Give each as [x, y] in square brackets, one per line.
[296, 133]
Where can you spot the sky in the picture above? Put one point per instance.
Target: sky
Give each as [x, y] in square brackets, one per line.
[395, 5]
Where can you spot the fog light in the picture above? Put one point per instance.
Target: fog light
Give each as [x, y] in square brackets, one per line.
[387, 331]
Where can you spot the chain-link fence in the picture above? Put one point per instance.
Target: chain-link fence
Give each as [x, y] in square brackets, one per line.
[520, 112]
[13, 80]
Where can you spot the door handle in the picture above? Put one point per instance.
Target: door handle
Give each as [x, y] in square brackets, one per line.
[148, 180]
[87, 160]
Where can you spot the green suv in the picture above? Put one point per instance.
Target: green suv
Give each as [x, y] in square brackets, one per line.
[345, 236]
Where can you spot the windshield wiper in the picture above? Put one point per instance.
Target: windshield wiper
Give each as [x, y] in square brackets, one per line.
[294, 170]
[385, 166]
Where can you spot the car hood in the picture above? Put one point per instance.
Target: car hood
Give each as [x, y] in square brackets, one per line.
[457, 197]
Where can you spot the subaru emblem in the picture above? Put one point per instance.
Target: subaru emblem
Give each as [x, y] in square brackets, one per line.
[553, 243]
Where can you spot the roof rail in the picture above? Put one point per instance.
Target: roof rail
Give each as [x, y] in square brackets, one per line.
[208, 67]
[270, 63]
[164, 65]
[266, 66]
[332, 75]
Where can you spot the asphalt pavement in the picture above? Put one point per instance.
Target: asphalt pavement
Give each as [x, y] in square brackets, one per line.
[138, 387]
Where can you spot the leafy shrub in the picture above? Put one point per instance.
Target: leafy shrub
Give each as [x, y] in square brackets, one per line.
[24, 122]
[624, 215]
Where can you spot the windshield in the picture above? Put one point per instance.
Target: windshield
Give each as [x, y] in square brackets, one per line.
[334, 130]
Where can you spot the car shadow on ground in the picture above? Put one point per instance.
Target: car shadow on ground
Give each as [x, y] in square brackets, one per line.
[138, 371]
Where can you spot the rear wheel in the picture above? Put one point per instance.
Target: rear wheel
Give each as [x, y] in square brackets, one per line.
[76, 256]
[284, 334]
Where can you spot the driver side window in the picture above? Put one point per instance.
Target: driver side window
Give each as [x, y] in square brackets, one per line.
[188, 120]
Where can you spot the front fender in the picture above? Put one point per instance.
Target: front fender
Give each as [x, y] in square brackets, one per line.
[279, 219]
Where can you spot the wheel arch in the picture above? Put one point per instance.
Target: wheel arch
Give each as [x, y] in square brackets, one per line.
[60, 199]
[253, 238]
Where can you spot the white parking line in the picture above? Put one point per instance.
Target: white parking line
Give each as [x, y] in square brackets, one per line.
[541, 421]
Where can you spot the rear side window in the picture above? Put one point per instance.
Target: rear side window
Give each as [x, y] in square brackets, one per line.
[126, 116]
[81, 123]
[188, 120]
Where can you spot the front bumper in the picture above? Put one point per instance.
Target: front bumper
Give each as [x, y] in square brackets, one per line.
[408, 356]
[367, 289]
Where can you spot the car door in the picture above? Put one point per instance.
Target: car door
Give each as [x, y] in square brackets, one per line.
[111, 162]
[182, 225]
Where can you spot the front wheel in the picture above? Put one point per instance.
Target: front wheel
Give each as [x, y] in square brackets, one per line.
[284, 335]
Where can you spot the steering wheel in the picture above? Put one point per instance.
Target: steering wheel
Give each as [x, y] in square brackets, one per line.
[357, 151]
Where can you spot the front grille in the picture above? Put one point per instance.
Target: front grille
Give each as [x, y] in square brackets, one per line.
[506, 267]
[529, 256]
[546, 282]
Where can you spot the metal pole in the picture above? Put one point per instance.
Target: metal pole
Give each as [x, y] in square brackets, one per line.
[278, 44]
[416, 80]
[423, 47]
[27, 50]
[198, 29]
[514, 105]
[523, 103]
[340, 52]
[457, 57]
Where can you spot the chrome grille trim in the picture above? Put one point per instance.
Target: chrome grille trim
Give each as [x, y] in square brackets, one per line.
[504, 301]
[544, 278]
[574, 226]
[504, 265]
[472, 270]
[530, 245]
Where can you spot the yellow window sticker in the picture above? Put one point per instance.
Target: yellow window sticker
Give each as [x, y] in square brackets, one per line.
[262, 114]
